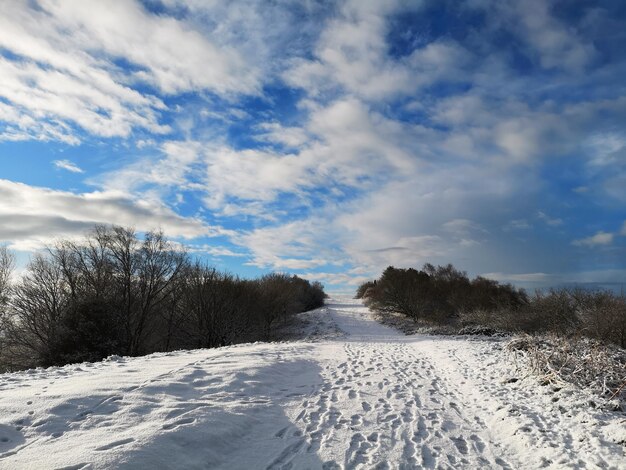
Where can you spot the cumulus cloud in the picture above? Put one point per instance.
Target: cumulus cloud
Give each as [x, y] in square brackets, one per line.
[455, 183]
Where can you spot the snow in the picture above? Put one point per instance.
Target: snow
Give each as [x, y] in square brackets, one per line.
[368, 398]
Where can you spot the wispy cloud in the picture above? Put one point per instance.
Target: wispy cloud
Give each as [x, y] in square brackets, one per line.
[551, 221]
[66, 78]
[599, 239]
[540, 278]
[67, 165]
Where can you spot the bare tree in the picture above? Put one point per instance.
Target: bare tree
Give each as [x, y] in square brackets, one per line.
[215, 308]
[7, 265]
[159, 267]
[114, 293]
[37, 309]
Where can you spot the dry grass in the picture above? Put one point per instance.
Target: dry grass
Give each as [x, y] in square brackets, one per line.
[583, 362]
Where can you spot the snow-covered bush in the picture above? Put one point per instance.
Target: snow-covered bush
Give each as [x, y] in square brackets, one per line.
[584, 362]
[595, 314]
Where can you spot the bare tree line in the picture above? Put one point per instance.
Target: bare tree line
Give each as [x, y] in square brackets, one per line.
[116, 293]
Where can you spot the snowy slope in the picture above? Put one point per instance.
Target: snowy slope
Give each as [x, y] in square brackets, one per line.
[370, 399]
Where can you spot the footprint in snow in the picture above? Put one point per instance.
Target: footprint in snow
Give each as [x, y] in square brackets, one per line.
[114, 444]
[282, 432]
[177, 423]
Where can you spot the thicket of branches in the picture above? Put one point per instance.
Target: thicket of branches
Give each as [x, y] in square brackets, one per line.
[445, 295]
[436, 294]
[117, 293]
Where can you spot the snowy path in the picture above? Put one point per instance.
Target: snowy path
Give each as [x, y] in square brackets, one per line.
[372, 399]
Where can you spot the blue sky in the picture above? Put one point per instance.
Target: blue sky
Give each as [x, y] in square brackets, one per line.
[327, 139]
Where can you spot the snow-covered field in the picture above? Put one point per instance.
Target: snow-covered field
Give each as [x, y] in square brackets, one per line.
[372, 398]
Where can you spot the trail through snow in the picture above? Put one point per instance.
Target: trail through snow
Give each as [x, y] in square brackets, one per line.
[373, 398]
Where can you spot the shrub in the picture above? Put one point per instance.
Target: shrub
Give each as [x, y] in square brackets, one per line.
[363, 290]
[602, 315]
[438, 294]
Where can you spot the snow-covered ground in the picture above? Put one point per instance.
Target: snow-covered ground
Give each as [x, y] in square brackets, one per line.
[372, 398]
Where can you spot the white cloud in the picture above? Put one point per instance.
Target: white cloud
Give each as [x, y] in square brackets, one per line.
[462, 226]
[554, 44]
[300, 244]
[599, 239]
[290, 136]
[525, 277]
[605, 148]
[338, 279]
[406, 217]
[253, 175]
[352, 53]
[604, 276]
[551, 221]
[171, 54]
[467, 242]
[58, 99]
[518, 224]
[348, 145]
[297, 263]
[67, 165]
[505, 130]
[169, 168]
[217, 251]
[265, 34]
[32, 216]
[68, 75]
